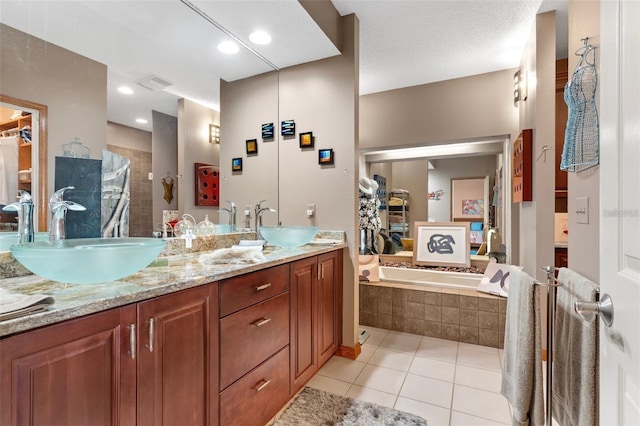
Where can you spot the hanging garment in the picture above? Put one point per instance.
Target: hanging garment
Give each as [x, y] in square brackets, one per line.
[8, 169]
[581, 140]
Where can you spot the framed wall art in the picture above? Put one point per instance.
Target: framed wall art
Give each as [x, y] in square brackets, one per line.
[288, 128]
[252, 146]
[441, 244]
[306, 140]
[267, 131]
[325, 156]
[236, 165]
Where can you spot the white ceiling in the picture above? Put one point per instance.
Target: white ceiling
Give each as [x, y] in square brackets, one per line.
[402, 42]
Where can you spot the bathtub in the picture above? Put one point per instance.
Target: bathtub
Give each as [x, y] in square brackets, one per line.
[439, 304]
[430, 278]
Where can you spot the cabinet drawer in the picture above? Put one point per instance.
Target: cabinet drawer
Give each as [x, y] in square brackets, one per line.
[257, 397]
[239, 292]
[252, 335]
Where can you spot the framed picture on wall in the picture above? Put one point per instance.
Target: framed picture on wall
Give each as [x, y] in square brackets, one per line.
[469, 199]
[236, 165]
[267, 131]
[288, 128]
[306, 140]
[441, 244]
[325, 156]
[252, 146]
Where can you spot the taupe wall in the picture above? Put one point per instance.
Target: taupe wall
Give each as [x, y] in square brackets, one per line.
[451, 168]
[322, 97]
[246, 105]
[584, 239]
[463, 108]
[73, 87]
[164, 142]
[538, 113]
[194, 147]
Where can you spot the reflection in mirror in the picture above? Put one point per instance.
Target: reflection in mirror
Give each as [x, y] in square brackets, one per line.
[44, 46]
[27, 167]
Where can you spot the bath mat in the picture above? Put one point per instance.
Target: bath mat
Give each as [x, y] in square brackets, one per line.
[313, 407]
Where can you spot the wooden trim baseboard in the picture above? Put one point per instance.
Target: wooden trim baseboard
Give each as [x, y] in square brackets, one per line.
[348, 352]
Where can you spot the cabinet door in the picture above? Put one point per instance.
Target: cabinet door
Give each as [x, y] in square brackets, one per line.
[177, 366]
[328, 306]
[304, 358]
[78, 372]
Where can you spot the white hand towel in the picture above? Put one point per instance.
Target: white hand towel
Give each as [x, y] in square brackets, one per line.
[14, 305]
[575, 357]
[522, 369]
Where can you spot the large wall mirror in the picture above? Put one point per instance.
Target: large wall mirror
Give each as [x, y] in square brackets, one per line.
[72, 58]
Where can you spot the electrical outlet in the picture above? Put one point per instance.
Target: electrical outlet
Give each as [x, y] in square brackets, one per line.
[582, 210]
[311, 210]
[150, 176]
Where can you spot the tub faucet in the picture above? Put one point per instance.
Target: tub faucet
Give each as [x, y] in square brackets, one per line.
[24, 207]
[58, 212]
[232, 215]
[258, 217]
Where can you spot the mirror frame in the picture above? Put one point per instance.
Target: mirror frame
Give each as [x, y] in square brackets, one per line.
[43, 159]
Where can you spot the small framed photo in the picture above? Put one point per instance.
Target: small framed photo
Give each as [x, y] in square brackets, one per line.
[441, 244]
[325, 156]
[236, 165]
[252, 146]
[267, 131]
[288, 128]
[306, 140]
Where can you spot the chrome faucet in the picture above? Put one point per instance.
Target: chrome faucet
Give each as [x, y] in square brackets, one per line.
[58, 212]
[258, 217]
[24, 207]
[232, 215]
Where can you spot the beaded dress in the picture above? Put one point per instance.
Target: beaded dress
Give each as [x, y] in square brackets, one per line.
[581, 140]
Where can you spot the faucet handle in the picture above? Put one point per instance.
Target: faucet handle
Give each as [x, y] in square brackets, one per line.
[59, 194]
[74, 206]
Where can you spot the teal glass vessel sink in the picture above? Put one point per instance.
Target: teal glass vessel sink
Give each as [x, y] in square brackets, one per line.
[88, 260]
[7, 239]
[288, 236]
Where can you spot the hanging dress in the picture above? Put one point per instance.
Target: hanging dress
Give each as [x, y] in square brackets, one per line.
[581, 141]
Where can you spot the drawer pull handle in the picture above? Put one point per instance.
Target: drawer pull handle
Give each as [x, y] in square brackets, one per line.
[262, 385]
[151, 333]
[132, 341]
[263, 287]
[262, 322]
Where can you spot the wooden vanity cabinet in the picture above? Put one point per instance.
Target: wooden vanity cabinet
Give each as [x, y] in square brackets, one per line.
[178, 358]
[79, 372]
[254, 346]
[84, 372]
[316, 309]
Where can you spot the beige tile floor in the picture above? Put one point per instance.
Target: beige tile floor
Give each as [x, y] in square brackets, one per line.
[447, 383]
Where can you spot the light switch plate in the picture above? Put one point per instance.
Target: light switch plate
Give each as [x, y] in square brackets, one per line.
[150, 176]
[582, 210]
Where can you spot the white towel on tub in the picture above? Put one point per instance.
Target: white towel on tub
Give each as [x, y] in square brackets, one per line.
[522, 367]
[575, 355]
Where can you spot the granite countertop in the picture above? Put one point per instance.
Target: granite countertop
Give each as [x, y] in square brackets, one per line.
[167, 275]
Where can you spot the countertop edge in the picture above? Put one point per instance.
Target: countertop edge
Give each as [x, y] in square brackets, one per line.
[174, 284]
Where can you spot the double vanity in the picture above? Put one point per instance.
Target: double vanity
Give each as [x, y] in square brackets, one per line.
[184, 341]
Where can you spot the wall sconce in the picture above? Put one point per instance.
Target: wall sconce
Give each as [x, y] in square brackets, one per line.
[214, 133]
[519, 87]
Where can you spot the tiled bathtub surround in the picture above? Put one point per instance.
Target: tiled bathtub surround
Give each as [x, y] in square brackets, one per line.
[460, 315]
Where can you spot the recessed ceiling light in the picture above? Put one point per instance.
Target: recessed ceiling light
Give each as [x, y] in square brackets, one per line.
[228, 47]
[260, 37]
[126, 90]
[141, 121]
